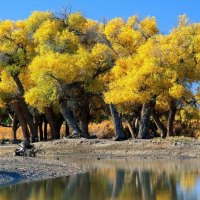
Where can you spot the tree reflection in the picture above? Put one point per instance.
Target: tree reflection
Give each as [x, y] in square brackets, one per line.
[111, 183]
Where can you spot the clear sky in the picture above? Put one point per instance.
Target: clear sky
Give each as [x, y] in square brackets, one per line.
[166, 11]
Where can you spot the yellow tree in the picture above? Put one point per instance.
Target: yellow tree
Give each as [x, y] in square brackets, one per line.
[67, 62]
[14, 56]
[126, 39]
[164, 66]
[17, 50]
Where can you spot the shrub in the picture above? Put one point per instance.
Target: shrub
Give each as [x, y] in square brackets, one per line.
[103, 130]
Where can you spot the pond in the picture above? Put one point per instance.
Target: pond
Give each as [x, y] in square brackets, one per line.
[117, 180]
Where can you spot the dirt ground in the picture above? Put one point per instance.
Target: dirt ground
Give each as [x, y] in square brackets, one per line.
[171, 148]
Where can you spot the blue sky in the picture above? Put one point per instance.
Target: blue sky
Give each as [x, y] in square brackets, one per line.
[166, 12]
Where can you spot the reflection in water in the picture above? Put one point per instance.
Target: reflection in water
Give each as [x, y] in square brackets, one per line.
[139, 181]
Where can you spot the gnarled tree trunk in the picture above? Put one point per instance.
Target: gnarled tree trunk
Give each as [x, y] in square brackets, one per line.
[146, 113]
[67, 133]
[22, 119]
[24, 108]
[45, 129]
[159, 124]
[133, 126]
[171, 118]
[69, 118]
[41, 131]
[54, 127]
[117, 120]
[58, 123]
[15, 126]
[83, 115]
[30, 122]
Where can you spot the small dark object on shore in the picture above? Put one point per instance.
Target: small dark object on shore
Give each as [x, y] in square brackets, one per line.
[4, 141]
[26, 149]
[15, 141]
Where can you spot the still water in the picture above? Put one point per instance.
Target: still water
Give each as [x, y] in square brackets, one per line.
[116, 180]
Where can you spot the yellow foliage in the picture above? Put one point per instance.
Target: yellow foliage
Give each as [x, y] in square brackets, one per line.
[113, 28]
[47, 31]
[8, 89]
[158, 68]
[41, 97]
[76, 21]
[149, 26]
[178, 91]
[102, 55]
[68, 41]
[91, 25]
[36, 20]
[6, 27]
[127, 60]
[132, 21]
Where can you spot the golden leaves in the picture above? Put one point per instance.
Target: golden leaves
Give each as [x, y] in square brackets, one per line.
[76, 21]
[36, 20]
[149, 26]
[113, 28]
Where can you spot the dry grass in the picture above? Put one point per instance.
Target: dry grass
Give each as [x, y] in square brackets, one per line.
[189, 129]
[6, 133]
[103, 130]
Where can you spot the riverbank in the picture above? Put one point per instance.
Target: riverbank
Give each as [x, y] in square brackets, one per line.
[171, 148]
[19, 169]
[62, 157]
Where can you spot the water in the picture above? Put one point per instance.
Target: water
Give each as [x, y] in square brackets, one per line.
[116, 180]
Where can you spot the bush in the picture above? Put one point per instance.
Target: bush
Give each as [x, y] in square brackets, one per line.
[103, 130]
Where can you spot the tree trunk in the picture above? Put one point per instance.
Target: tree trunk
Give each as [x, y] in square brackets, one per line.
[52, 123]
[41, 131]
[171, 118]
[147, 109]
[40, 121]
[133, 127]
[66, 130]
[45, 129]
[24, 108]
[69, 118]
[29, 119]
[22, 120]
[159, 124]
[15, 126]
[130, 128]
[117, 121]
[37, 119]
[58, 123]
[19, 84]
[84, 118]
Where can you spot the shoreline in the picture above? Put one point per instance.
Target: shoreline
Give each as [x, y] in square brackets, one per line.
[14, 170]
[63, 157]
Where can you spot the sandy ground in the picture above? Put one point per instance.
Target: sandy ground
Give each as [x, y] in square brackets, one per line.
[172, 148]
[62, 157]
